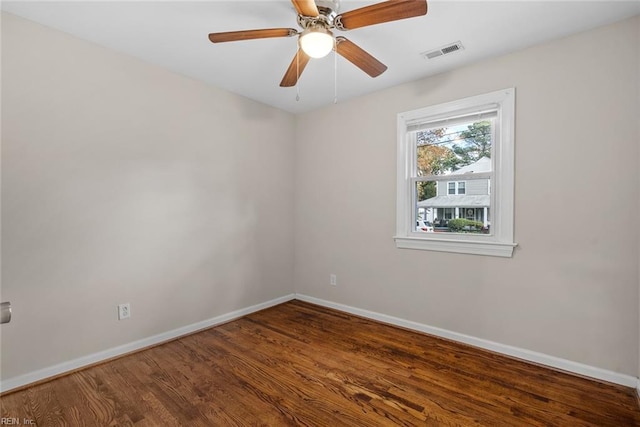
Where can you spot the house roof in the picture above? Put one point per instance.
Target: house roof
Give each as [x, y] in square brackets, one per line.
[481, 165]
[456, 201]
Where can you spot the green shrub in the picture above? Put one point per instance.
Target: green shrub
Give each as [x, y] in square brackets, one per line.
[462, 224]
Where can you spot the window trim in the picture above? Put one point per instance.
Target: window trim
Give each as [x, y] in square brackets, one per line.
[500, 241]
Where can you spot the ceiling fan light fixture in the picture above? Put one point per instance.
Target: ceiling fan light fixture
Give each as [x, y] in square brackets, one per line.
[316, 42]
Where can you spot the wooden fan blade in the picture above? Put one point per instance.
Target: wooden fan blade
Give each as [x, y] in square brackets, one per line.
[300, 60]
[232, 36]
[306, 7]
[387, 11]
[358, 57]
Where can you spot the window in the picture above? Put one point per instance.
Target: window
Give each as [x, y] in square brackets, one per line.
[461, 188]
[454, 187]
[456, 171]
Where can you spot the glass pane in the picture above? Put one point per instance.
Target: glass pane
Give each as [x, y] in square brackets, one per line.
[456, 149]
[425, 190]
[450, 205]
[437, 211]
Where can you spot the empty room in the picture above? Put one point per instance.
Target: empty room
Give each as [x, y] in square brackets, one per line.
[320, 213]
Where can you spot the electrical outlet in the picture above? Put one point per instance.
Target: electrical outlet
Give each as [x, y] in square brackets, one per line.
[124, 311]
[333, 280]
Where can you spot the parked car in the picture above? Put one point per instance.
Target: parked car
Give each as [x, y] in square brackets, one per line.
[424, 226]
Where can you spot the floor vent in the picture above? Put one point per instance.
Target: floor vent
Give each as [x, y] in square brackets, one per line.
[444, 50]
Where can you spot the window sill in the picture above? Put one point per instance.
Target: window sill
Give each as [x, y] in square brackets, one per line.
[472, 247]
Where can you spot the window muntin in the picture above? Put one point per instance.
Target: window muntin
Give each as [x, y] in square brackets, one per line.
[488, 205]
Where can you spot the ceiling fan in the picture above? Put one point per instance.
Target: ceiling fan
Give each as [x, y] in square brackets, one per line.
[316, 40]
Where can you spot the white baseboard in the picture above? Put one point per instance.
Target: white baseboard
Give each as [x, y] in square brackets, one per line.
[90, 359]
[528, 355]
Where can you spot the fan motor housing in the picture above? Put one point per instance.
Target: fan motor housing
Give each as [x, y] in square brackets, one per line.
[328, 11]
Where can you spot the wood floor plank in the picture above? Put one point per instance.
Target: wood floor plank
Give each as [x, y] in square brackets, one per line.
[298, 364]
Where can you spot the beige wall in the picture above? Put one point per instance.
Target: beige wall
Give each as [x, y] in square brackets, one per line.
[571, 289]
[122, 182]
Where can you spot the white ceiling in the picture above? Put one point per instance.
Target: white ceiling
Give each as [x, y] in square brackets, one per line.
[174, 35]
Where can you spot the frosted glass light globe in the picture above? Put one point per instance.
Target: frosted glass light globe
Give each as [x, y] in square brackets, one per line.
[317, 42]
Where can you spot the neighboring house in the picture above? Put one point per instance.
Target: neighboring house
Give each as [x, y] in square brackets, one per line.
[460, 197]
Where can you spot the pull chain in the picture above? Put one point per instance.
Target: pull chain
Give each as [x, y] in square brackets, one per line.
[335, 71]
[298, 75]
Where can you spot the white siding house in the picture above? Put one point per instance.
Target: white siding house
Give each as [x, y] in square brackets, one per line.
[462, 196]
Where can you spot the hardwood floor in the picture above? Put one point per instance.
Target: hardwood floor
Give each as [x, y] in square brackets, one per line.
[300, 364]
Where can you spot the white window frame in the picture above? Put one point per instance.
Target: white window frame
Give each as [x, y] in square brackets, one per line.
[464, 184]
[455, 188]
[500, 241]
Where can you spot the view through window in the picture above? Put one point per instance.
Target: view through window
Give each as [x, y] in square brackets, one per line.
[453, 174]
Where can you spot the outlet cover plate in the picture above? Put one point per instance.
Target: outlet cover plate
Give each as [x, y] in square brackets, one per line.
[124, 311]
